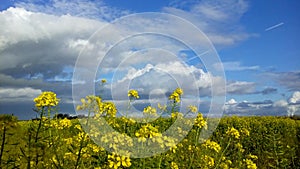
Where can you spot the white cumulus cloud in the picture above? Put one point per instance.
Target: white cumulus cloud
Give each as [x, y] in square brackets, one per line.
[20, 94]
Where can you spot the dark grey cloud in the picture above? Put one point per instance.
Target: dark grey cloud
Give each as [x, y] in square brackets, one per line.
[289, 80]
[269, 90]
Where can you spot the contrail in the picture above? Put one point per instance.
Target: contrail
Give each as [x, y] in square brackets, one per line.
[198, 55]
[273, 27]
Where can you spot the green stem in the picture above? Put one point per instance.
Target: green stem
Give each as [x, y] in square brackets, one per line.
[223, 152]
[191, 162]
[29, 148]
[144, 163]
[79, 154]
[2, 144]
[197, 136]
[160, 160]
[128, 108]
[49, 119]
[37, 136]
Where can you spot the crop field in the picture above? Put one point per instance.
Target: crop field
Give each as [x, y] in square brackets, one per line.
[237, 142]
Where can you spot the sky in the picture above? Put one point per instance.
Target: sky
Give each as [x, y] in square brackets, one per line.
[234, 57]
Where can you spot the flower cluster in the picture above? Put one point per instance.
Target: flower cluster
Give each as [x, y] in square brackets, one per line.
[250, 164]
[162, 107]
[176, 95]
[174, 165]
[115, 161]
[200, 121]
[209, 161]
[212, 145]
[245, 132]
[150, 111]
[116, 140]
[90, 103]
[147, 131]
[61, 124]
[193, 109]
[239, 147]
[233, 132]
[176, 115]
[108, 108]
[46, 99]
[133, 94]
[94, 104]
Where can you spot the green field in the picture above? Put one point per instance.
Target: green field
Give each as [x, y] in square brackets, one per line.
[273, 142]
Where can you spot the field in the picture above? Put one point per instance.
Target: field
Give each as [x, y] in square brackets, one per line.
[237, 142]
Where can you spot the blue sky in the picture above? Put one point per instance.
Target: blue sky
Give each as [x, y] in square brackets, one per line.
[256, 41]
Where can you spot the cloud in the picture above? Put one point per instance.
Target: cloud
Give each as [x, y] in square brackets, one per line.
[281, 103]
[18, 94]
[44, 46]
[215, 18]
[80, 8]
[234, 66]
[294, 104]
[246, 108]
[289, 80]
[165, 77]
[287, 107]
[231, 101]
[268, 90]
[240, 87]
[295, 98]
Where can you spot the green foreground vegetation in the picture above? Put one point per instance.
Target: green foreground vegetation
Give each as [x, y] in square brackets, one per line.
[237, 142]
[253, 142]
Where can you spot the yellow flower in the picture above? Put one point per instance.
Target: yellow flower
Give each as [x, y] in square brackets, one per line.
[133, 94]
[46, 99]
[77, 126]
[239, 146]
[91, 103]
[192, 108]
[250, 164]
[95, 148]
[115, 161]
[162, 108]
[209, 161]
[150, 110]
[64, 123]
[176, 115]
[175, 96]
[179, 91]
[68, 141]
[224, 166]
[109, 108]
[200, 121]
[103, 80]
[147, 131]
[174, 165]
[212, 145]
[245, 132]
[250, 156]
[233, 132]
